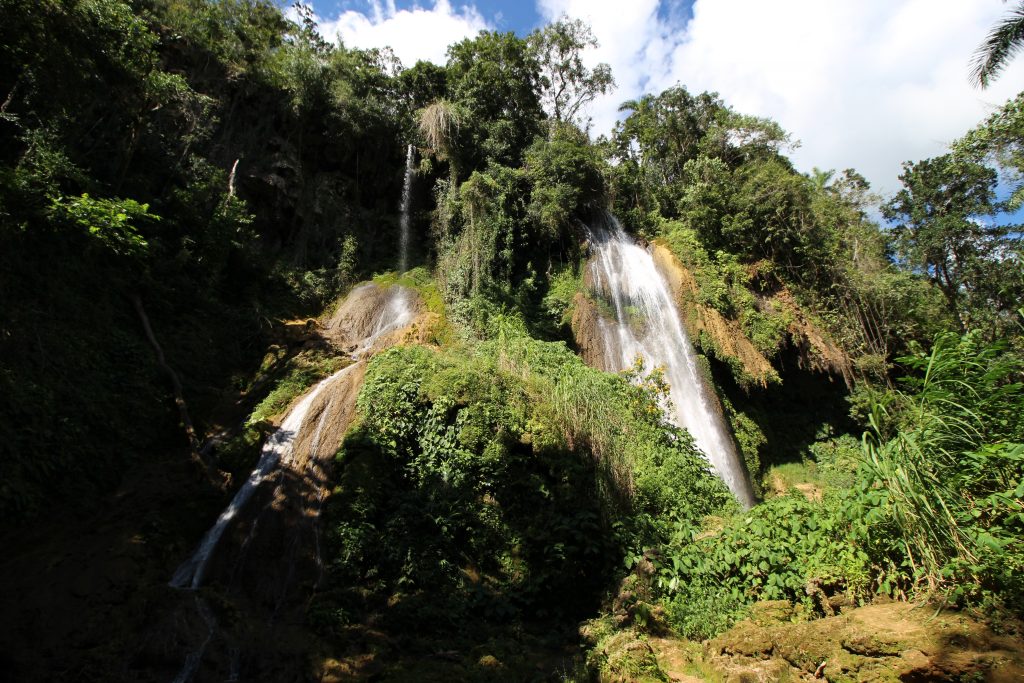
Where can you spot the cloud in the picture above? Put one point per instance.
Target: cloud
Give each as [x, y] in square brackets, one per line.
[865, 85]
[413, 34]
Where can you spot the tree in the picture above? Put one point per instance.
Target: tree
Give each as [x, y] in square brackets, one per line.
[1003, 43]
[653, 144]
[943, 233]
[495, 79]
[566, 84]
[423, 83]
[999, 140]
[664, 131]
[566, 174]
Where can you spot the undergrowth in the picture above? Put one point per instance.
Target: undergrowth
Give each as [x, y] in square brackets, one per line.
[506, 475]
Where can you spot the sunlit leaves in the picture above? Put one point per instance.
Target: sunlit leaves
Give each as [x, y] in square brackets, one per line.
[112, 222]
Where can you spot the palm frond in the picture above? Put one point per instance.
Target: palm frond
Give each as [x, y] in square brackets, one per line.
[1003, 43]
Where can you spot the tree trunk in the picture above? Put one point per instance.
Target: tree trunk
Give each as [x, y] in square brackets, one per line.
[215, 476]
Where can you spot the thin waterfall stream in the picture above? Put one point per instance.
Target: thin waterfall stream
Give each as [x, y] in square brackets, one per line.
[190, 573]
[403, 246]
[647, 324]
[396, 314]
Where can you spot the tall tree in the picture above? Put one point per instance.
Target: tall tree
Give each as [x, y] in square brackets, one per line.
[943, 230]
[495, 79]
[566, 84]
[999, 141]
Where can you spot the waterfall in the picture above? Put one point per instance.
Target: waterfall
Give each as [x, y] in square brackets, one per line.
[403, 253]
[193, 659]
[191, 572]
[647, 324]
[396, 314]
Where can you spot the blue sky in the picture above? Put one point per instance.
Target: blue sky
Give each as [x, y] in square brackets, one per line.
[866, 84]
[520, 17]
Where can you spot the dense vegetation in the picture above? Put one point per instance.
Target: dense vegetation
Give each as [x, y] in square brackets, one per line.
[197, 171]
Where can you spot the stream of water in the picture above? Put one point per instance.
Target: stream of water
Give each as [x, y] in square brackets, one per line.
[647, 324]
[395, 314]
[403, 247]
[279, 446]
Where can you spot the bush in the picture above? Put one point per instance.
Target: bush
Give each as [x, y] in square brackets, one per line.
[507, 475]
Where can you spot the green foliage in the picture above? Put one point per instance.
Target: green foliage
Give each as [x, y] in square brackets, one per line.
[109, 221]
[506, 473]
[1000, 46]
[418, 279]
[750, 439]
[302, 372]
[772, 552]
[489, 207]
[947, 477]
[999, 139]
[837, 460]
[562, 289]
[932, 501]
[725, 284]
[701, 612]
[618, 655]
[565, 173]
[943, 233]
[230, 166]
[258, 146]
[494, 78]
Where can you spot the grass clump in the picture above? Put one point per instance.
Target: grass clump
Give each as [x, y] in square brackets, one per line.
[302, 372]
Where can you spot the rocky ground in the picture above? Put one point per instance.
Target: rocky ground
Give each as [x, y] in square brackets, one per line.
[893, 641]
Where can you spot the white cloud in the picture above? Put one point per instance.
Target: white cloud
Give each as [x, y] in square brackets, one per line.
[413, 34]
[866, 84]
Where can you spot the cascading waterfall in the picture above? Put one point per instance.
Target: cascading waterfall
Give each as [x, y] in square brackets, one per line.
[647, 324]
[396, 314]
[278, 447]
[403, 255]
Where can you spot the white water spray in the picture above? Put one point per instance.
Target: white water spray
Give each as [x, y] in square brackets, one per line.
[403, 253]
[396, 314]
[647, 323]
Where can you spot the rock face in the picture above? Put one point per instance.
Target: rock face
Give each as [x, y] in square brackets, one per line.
[727, 335]
[816, 350]
[356, 325]
[276, 550]
[882, 642]
[268, 564]
[586, 321]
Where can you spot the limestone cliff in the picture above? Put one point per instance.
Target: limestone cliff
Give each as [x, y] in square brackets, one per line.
[730, 343]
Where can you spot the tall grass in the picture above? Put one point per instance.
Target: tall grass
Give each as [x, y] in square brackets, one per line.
[579, 400]
[967, 394]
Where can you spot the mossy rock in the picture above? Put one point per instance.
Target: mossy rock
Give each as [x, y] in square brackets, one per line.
[624, 655]
[881, 642]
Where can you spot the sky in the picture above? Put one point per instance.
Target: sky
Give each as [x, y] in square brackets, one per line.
[865, 84]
